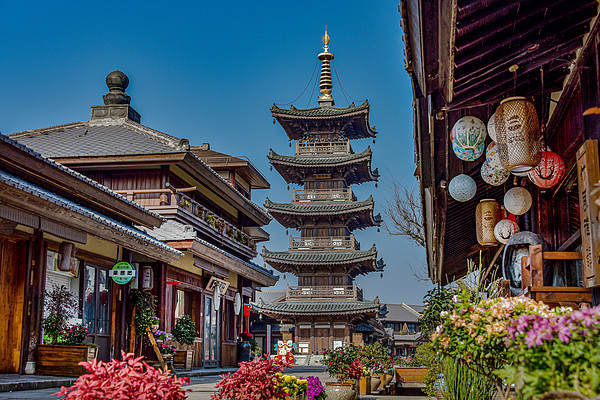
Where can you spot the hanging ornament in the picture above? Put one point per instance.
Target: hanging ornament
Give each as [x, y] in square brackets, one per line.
[520, 174]
[469, 133]
[505, 229]
[375, 184]
[378, 230]
[493, 176]
[462, 187]
[487, 215]
[517, 201]
[518, 133]
[492, 157]
[468, 154]
[287, 232]
[381, 275]
[288, 187]
[284, 277]
[491, 127]
[549, 171]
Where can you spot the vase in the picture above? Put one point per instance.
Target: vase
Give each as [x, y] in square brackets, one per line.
[375, 383]
[566, 395]
[387, 379]
[340, 391]
[244, 351]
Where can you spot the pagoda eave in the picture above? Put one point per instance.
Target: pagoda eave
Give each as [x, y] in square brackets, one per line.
[317, 308]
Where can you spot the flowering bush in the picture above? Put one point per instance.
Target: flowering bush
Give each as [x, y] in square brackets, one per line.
[376, 359]
[344, 363]
[315, 390]
[246, 336]
[127, 379]
[254, 380]
[291, 385]
[408, 362]
[74, 336]
[60, 305]
[559, 351]
[437, 301]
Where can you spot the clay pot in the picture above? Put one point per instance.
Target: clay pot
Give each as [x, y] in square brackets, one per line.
[340, 391]
[387, 379]
[375, 383]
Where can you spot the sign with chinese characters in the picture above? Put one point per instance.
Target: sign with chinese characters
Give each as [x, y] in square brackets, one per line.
[588, 175]
[122, 272]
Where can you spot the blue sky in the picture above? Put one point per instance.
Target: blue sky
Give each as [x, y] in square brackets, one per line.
[210, 71]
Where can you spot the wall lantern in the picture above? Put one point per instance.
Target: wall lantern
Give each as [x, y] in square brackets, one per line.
[491, 127]
[493, 176]
[147, 277]
[68, 262]
[549, 171]
[487, 215]
[505, 229]
[517, 201]
[518, 133]
[462, 187]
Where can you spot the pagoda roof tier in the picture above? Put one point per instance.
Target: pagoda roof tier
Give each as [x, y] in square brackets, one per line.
[288, 308]
[354, 168]
[353, 214]
[351, 122]
[354, 262]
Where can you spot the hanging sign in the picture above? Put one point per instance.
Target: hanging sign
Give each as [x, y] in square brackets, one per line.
[237, 304]
[247, 309]
[122, 272]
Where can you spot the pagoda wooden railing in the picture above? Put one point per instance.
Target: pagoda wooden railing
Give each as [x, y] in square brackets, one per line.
[177, 197]
[343, 194]
[322, 147]
[324, 243]
[323, 292]
[532, 277]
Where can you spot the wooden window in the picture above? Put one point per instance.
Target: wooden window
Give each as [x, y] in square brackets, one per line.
[229, 321]
[338, 280]
[322, 280]
[305, 281]
[185, 303]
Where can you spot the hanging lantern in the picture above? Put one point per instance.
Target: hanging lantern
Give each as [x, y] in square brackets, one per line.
[549, 171]
[493, 176]
[462, 187]
[518, 133]
[520, 174]
[492, 157]
[491, 127]
[487, 215]
[517, 201]
[469, 133]
[468, 154]
[505, 229]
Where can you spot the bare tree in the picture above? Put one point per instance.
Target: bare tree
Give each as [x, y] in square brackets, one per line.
[403, 212]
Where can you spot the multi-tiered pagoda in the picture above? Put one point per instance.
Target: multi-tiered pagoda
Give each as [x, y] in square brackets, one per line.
[326, 307]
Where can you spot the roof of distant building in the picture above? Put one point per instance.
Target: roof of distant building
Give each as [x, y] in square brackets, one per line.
[401, 313]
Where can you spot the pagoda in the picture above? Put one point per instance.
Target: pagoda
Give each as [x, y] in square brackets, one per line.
[326, 308]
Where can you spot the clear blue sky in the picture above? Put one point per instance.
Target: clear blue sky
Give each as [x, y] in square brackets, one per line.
[210, 71]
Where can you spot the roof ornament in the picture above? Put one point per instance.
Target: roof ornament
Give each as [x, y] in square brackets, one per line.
[326, 84]
[117, 82]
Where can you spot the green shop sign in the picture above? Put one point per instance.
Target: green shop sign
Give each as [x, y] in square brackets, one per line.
[122, 273]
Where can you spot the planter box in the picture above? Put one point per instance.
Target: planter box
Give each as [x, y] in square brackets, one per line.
[63, 360]
[410, 374]
[365, 385]
[183, 359]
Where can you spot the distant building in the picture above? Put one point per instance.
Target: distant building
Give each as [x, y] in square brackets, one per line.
[403, 320]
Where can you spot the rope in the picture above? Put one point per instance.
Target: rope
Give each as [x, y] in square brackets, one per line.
[312, 93]
[309, 81]
[342, 87]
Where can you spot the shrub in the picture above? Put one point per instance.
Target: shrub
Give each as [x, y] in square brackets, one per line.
[145, 311]
[461, 383]
[375, 358]
[184, 330]
[126, 379]
[75, 335]
[61, 305]
[344, 363]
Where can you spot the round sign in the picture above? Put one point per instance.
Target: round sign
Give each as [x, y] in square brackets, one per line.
[122, 273]
[237, 304]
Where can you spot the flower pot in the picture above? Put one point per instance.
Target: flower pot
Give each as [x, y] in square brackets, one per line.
[365, 385]
[63, 360]
[387, 379]
[340, 391]
[244, 351]
[375, 382]
[565, 395]
[183, 359]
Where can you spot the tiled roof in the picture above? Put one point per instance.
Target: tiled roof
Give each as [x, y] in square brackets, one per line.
[401, 313]
[320, 208]
[269, 295]
[319, 257]
[86, 212]
[106, 137]
[321, 111]
[318, 307]
[76, 174]
[408, 338]
[318, 161]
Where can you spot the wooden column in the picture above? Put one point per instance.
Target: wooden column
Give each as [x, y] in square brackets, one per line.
[331, 331]
[313, 343]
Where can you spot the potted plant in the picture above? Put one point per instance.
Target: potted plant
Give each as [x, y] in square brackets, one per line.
[184, 332]
[344, 364]
[145, 312]
[378, 363]
[293, 387]
[130, 378]
[244, 346]
[64, 345]
[315, 389]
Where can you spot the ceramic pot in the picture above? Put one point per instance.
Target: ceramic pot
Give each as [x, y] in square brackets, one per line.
[375, 382]
[565, 395]
[387, 379]
[340, 391]
[244, 351]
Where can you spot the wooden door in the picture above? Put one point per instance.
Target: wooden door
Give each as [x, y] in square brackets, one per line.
[321, 339]
[12, 286]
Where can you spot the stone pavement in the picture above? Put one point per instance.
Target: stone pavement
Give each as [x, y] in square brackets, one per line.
[202, 387]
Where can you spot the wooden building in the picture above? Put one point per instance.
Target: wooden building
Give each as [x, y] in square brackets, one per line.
[326, 306]
[403, 320]
[464, 57]
[209, 214]
[44, 208]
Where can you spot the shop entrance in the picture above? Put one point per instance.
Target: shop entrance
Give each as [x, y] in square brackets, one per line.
[212, 334]
[96, 309]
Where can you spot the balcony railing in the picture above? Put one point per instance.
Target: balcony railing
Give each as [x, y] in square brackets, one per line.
[317, 147]
[324, 243]
[177, 197]
[324, 292]
[344, 194]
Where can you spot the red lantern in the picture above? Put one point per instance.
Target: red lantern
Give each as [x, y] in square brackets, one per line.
[549, 171]
[247, 308]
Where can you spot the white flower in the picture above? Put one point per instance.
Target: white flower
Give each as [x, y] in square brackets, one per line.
[455, 299]
[443, 314]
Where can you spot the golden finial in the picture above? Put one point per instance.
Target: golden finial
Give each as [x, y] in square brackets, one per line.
[326, 40]
[326, 84]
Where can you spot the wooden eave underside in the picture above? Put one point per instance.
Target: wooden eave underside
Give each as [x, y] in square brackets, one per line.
[354, 126]
[357, 219]
[353, 269]
[355, 173]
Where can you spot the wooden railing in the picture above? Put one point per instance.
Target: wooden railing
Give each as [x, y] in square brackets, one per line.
[318, 147]
[344, 194]
[328, 292]
[324, 243]
[177, 197]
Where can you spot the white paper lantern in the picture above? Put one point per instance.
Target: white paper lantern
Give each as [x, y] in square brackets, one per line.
[469, 133]
[505, 229]
[462, 187]
[520, 174]
[492, 157]
[493, 176]
[491, 127]
[468, 154]
[517, 201]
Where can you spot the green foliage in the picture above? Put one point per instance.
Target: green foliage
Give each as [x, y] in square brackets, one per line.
[61, 305]
[145, 311]
[462, 383]
[375, 358]
[426, 356]
[344, 363]
[437, 301]
[184, 330]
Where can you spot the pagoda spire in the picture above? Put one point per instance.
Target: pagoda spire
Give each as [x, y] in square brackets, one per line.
[326, 84]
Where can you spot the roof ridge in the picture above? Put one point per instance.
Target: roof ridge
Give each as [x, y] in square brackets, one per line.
[162, 137]
[37, 131]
